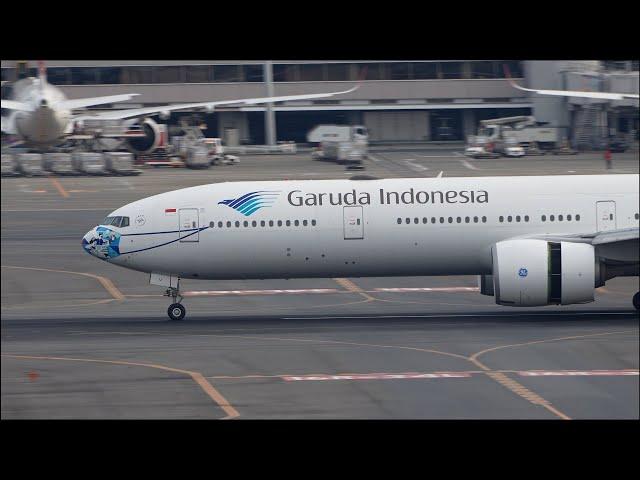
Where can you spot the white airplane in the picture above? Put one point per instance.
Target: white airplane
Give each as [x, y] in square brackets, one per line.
[41, 116]
[536, 240]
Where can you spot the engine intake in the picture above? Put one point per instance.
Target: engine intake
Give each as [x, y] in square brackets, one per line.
[529, 273]
[153, 137]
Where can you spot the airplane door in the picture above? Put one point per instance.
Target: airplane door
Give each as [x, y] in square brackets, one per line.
[188, 222]
[353, 223]
[606, 216]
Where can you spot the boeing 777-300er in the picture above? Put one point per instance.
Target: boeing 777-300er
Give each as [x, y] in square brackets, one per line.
[536, 240]
[41, 116]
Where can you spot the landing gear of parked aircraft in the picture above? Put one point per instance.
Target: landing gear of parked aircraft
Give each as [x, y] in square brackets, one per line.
[176, 310]
[636, 300]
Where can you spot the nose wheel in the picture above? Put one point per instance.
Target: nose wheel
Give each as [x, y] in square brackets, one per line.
[176, 310]
[636, 300]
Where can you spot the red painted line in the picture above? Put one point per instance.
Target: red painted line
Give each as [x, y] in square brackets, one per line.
[428, 289]
[377, 376]
[257, 292]
[576, 373]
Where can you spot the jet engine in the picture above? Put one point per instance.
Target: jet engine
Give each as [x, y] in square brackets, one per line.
[153, 137]
[530, 273]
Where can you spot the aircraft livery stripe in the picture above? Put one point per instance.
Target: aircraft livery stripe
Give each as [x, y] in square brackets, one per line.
[157, 233]
[163, 244]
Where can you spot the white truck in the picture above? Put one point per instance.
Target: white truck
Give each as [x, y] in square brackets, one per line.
[345, 144]
[522, 130]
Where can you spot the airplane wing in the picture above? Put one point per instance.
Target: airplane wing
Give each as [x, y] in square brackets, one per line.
[88, 102]
[13, 105]
[139, 112]
[620, 245]
[571, 93]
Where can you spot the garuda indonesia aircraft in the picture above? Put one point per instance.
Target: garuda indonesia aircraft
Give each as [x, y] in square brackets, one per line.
[536, 240]
[41, 116]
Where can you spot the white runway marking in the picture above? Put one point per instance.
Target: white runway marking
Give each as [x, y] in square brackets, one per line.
[466, 162]
[413, 166]
[428, 289]
[578, 373]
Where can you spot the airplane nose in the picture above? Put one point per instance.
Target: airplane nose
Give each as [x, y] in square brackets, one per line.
[88, 241]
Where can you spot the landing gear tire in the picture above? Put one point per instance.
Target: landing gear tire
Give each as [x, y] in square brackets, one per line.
[636, 300]
[176, 311]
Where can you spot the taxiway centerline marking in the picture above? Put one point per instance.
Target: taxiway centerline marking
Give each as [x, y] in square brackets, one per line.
[196, 376]
[105, 282]
[59, 187]
[352, 287]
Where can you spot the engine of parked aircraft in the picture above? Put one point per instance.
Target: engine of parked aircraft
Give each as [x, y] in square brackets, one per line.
[153, 137]
[529, 273]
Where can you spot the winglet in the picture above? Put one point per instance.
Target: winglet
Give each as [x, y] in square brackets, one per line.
[507, 74]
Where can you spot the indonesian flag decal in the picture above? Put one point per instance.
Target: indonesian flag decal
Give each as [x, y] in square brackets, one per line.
[169, 211]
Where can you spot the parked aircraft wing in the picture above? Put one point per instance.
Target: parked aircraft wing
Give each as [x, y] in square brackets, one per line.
[13, 105]
[571, 93]
[138, 112]
[88, 102]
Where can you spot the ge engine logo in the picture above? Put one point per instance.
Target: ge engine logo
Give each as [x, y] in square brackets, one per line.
[523, 272]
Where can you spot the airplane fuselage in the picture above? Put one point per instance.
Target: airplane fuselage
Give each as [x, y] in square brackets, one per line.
[44, 125]
[324, 228]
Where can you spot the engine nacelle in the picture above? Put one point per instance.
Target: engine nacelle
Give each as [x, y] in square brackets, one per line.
[530, 273]
[153, 137]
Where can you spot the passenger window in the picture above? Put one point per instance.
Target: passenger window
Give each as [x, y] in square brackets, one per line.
[254, 224]
[551, 218]
[416, 220]
[611, 216]
[467, 219]
[262, 223]
[544, 218]
[271, 223]
[568, 218]
[220, 224]
[399, 221]
[358, 221]
[441, 219]
[288, 222]
[475, 219]
[637, 216]
[279, 223]
[407, 220]
[212, 224]
[518, 218]
[297, 223]
[501, 219]
[458, 220]
[304, 222]
[578, 218]
[484, 219]
[450, 219]
[229, 224]
[313, 223]
[526, 218]
[433, 219]
[509, 218]
[425, 219]
[559, 218]
[246, 224]
[237, 224]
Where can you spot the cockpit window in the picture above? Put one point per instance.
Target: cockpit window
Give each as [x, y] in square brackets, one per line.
[116, 221]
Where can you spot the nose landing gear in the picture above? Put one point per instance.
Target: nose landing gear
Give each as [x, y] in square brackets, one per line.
[636, 300]
[176, 310]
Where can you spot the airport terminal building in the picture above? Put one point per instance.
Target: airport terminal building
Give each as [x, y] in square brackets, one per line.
[399, 101]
